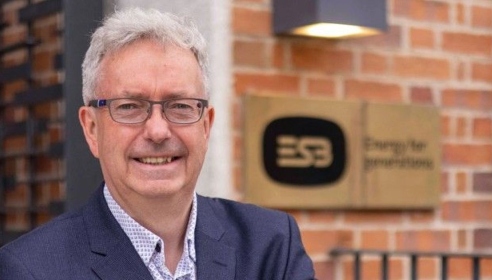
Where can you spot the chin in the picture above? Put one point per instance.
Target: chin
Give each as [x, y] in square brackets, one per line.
[160, 189]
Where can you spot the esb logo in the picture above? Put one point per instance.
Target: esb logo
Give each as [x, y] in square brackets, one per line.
[304, 151]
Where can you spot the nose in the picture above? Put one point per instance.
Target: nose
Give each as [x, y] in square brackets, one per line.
[157, 128]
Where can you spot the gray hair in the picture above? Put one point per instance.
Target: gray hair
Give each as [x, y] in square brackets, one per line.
[127, 26]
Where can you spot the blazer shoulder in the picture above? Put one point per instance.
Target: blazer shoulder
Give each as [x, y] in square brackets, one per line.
[61, 227]
[245, 214]
[271, 236]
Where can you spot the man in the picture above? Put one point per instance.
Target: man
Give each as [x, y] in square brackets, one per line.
[147, 119]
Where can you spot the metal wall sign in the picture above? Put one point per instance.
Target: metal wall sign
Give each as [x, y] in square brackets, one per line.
[318, 153]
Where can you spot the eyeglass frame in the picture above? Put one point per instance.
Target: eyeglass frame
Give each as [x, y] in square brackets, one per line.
[100, 103]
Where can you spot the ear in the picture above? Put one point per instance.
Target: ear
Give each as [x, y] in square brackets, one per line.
[87, 118]
[209, 121]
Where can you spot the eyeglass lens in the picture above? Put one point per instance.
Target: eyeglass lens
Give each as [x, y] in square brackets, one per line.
[128, 110]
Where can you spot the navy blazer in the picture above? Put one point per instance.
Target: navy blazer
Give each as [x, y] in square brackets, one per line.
[233, 241]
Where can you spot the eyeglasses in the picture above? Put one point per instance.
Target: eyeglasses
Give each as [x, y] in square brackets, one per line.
[134, 110]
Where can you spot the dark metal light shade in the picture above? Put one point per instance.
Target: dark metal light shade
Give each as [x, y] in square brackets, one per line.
[324, 17]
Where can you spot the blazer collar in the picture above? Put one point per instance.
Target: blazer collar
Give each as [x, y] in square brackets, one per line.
[114, 254]
[116, 258]
[215, 260]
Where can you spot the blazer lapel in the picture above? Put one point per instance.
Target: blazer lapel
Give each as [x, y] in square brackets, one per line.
[114, 255]
[215, 260]
[116, 266]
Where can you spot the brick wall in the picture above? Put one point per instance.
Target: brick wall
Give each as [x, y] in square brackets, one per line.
[436, 52]
[32, 179]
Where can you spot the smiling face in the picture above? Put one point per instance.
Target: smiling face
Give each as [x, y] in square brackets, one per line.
[155, 158]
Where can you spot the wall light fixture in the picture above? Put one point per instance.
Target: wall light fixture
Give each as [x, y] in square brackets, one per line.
[329, 18]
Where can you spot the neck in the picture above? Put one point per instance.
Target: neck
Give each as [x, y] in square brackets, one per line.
[167, 217]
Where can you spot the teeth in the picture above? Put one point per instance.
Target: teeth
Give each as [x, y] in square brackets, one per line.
[156, 160]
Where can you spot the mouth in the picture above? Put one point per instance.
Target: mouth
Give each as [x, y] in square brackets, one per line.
[156, 160]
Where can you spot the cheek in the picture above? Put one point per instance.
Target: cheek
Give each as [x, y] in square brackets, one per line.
[200, 144]
[111, 141]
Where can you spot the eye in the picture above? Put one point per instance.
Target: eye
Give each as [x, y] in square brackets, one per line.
[128, 104]
[181, 105]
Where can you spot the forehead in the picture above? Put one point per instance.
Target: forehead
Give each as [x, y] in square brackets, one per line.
[149, 66]
[150, 50]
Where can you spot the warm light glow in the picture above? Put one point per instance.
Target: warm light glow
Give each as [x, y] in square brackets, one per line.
[332, 30]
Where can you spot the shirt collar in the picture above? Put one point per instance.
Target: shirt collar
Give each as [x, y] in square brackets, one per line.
[144, 240]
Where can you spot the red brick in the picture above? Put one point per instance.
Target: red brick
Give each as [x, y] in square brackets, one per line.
[422, 38]
[46, 29]
[375, 239]
[371, 269]
[467, 154]
[461, 182]
[321, 59]
[250, 53]
[321, 87]
[446, 126]
[321, 241]
[373, 63]
[14, 58]
[486, 267]
[279, 51]
[426, 240]
[481, 16]
[17, 220]
[366, 217]
[482, 72]
[251, 22]
[422, 67]
[422, 10]
[376, 91]
[12, 144]
[482, 182]
[43, 61]
[483, 210]
[460, 268]
[482, 128]
[427, 268]
[465, 43]
[461, 127]
[461, 71]
[324, 270]
[11, 15]
[462, 237]
[10, 89]
[468, 99]
[482, 238]
[421, 95]
[18, 196]
[460, 13]
[278, 83]
[467, 211]
[57, 191]
[14, 34]
[42, 217]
